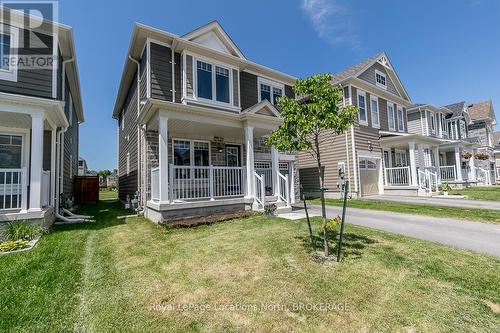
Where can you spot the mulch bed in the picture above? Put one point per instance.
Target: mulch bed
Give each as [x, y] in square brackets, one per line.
[194, 221]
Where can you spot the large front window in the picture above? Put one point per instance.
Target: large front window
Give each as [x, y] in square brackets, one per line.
[213, 82]
[10, 151]
[182, 152]
[191, 153]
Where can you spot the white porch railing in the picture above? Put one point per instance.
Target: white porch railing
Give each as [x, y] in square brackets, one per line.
[202, 182]
[12, 188]
[399, 176]
[427, 180]
[155, 184]
[267, 175]
[45, 188]
[260, 192]
[283, 190]
[447, 172]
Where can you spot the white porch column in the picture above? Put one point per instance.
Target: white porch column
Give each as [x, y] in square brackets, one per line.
[436, 160]
[292, 182]
[421, 157]
[275, 164]
[36, 162]
[458, 164]
[413, 164]
[472, 165]
[249, 161]
[53, 166]
[163, 157]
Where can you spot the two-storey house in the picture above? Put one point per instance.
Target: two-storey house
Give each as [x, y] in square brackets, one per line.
[40, 113]
[496, 152]
[483, 120]
[193, 114]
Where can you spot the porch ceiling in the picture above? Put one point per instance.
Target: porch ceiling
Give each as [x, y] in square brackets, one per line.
[404, 140]
[18, 120]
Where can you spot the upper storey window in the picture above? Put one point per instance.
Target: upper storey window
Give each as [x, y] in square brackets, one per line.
[8, 46]
[363, 120]
[270, 90]
[401, 124]
[222, 84]
[204, 73]
[213, 82]
[380, 79]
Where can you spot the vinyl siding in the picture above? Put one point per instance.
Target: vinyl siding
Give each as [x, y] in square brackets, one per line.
[32, 82]
[71, 137]
[161, 72]
[47, 145]
[414, 123]
[369, 76]
[248, 90]
[128, 144]
[189, 76]
[236, 95]
[178, 77]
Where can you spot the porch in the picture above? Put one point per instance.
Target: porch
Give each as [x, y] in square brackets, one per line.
[28, 158]
[423, 164]
[211, 162]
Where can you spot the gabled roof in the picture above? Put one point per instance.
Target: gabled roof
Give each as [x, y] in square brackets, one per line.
[482, 111]
[264, 107]
[361, 67]
[214, 36]
[457, 108]
[496, 139]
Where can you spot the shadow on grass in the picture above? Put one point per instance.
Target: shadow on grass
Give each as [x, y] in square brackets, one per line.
[352, 244]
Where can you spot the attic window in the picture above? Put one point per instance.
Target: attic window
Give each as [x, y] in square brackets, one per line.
[380, 79]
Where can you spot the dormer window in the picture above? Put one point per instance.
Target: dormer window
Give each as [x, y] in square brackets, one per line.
[270, 90]
[380, 79]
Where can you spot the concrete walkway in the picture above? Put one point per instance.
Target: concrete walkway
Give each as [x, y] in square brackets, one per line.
[462, 203]
[475, 236]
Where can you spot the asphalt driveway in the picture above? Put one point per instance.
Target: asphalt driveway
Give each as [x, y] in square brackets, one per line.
[462, 203]
[475, 236]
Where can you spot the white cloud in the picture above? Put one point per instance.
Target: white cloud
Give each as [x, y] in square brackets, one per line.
[331, 20]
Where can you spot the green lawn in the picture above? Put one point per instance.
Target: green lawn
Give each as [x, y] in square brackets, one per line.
[471, 214]
[108, 195]
[115, 276]
[480, 193]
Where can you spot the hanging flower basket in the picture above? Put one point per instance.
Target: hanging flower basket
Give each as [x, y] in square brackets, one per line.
[482, 156]
[466, 155]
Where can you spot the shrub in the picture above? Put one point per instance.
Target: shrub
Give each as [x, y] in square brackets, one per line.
[331, 224]
[482, 156]
[13, 245]
[270, 209]
[446, 187]
[21, 231]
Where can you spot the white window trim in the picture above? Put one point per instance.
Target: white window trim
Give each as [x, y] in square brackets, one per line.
[375, 99]
[128, 164]
[191, 150]
[393, 127]
[25, 142]
[362, 122]
[213, 101]
[272, 84]
[377, 72]
[11, 73]
[400, 108]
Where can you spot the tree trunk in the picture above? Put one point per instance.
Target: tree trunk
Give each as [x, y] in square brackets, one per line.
[322, 194]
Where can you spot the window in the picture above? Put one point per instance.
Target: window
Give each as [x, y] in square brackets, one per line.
[401, 124]
[367, 165]
[201, 154]
[374, 112]
[390, 116]
[380, 79]
[204, 75]
[191, 153]
[387, 162]
[269, 90]
[8, 51]
[400, 158]
[10, 151]
[433, 124]
[182, 152]
[363, 120]
[222, 84]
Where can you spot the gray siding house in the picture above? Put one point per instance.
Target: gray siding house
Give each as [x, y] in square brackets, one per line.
[40, 113]
[193, 114]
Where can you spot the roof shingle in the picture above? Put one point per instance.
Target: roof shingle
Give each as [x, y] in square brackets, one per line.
[481, 111]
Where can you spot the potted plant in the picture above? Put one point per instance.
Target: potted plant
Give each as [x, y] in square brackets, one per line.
[466, 155]
[269, 190]
[270, 209]
[482, 156]
[446, 188]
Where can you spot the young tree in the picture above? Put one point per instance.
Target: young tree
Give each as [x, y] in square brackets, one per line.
[309, 121]
[104, 174]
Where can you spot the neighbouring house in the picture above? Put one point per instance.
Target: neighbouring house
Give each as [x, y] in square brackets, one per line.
[193, 114]
[40, 113]
[112, 179]
[496, 143]
[395, 147]
[82, 167]
[483, 120]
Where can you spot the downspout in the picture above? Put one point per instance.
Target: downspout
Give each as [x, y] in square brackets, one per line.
[139, 166]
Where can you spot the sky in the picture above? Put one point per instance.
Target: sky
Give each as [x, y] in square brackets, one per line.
[444, 51]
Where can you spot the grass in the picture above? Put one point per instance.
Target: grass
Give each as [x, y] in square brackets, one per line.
[122, 275]
[480, 193]
[471, 214]
[108, 195]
